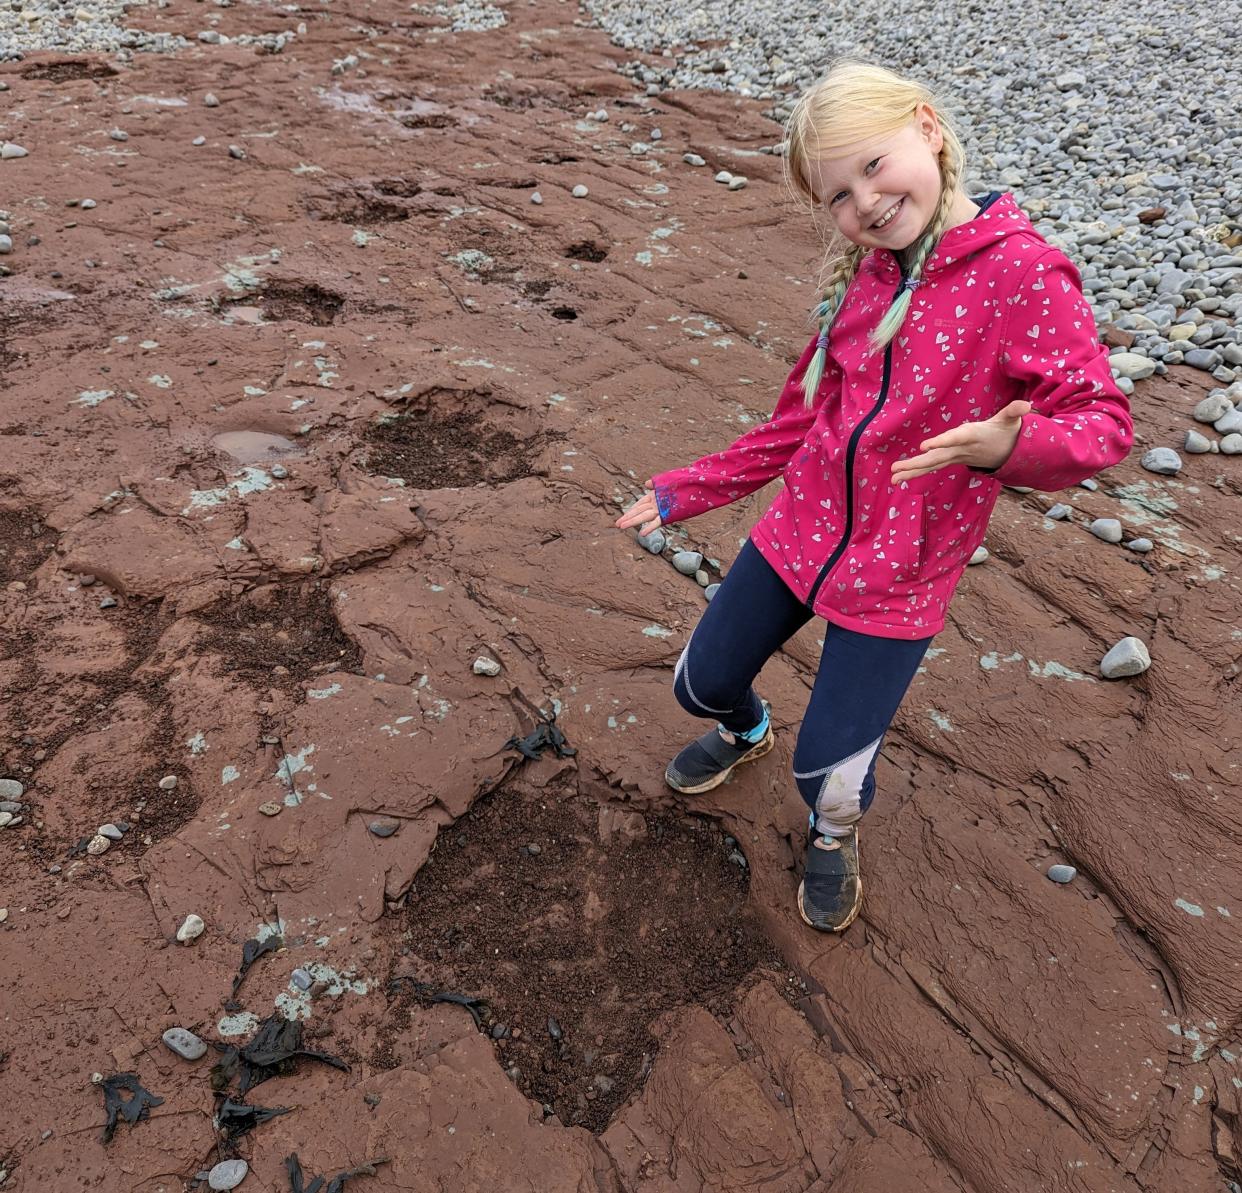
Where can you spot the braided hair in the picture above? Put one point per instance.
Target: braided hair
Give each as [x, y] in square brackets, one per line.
[853, 101]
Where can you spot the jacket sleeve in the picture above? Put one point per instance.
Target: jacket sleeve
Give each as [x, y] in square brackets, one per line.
[752, 460]
[1080, 421]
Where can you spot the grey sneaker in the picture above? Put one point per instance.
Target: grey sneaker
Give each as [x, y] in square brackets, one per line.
[708, 761]
[831, 890]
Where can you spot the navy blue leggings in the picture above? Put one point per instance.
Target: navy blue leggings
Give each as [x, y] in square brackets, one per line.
[859, 685]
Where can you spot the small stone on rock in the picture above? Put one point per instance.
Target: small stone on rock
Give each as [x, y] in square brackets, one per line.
[737, 182]
[485, 666]
[98, 845]
[981, 553]
[109, 602]
[1197, 444]
[9, 150]
[536, 198]
[111, 832]
[1162, 460]
[1142, 546]
[1059, 512]
[191, 929]
[693, 159]
[1062, 873]
[710, 591]
[271, 808]
[383, 828]
[236, 151]
[168, 782]
[1090, 484]
[228, 1174]
[580, 192]
[199, 141]
[653, 542]
[1108, 529]
[1128, 657]
[210, 101]
[724, 176]
[1231, 445]
[302, 979]
[184, 1043]
[11, 789]
[688, 562]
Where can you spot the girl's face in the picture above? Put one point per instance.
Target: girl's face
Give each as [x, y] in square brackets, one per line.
[882, 192]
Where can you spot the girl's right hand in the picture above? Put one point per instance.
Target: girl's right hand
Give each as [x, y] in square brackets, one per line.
[643, 511]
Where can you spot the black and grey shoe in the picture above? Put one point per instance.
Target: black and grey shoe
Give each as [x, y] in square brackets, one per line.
[708, 761]
[831, 890]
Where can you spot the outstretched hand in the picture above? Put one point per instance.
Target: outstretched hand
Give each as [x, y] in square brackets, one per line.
[978, 445]
[643, 511]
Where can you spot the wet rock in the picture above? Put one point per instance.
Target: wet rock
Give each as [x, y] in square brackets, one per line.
[980, 554]
[688, 562]
[98, 845]
[1062, 873]
[11, 789]
[1163, 461]
[1127, 657]
[6, 244]
[384, 828]
[228, 1174]
[191, 929]
[1108, 529]
[184, 1043]
[485, 666]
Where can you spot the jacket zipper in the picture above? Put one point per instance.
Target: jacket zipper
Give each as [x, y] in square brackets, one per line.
[850, 451]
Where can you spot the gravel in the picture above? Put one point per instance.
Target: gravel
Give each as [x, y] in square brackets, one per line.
[1091, 131]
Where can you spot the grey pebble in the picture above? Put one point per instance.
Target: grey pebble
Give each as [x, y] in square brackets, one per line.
[1231, 445]
[1141, 546]
[1162, 460]
[536, 198]
[1229, 422]
[168, 782]
[383, 828]
[87, 204]
[653, 542]
[724, 176]
[693, 159]
[710, 591]
[1127, 657]
[279, 471]
[9, 150]
[10, 805]
[109, 602]
[119, 134]
[6, 244]
[485, 666]
[199, 141]
[210, 101]
[580, 192]
[1059, 512]
[1211, 408]
[554, 1029]
[688, 562]
[11, 789]
[1197, 444]
[1062, 873]
[1089, 484]
[228, 1174]
[737, 182]
[184, 1043]
[980, 554]
[1108, 529]
[237, 152]
[302, 979]
[702, 578]
[111, 832]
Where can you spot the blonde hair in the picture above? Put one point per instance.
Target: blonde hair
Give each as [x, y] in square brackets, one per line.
[858, 100]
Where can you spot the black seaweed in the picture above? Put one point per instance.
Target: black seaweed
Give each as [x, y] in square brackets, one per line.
[131, 1109]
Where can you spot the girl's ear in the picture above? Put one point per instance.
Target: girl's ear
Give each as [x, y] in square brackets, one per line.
[929, 126]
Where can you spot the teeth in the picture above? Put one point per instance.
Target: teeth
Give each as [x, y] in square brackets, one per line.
[888, 215]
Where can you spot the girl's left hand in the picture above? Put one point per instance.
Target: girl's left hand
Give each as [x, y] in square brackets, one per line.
[977, 445]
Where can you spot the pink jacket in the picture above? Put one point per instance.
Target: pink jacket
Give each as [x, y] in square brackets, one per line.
[999, 316]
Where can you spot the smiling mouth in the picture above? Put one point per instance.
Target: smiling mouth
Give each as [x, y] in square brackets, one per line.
[890, 215]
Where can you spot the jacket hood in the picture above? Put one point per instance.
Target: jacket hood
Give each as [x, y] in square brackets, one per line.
[1002, 218]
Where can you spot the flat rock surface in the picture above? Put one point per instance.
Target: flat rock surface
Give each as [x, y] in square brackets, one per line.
[332, 419]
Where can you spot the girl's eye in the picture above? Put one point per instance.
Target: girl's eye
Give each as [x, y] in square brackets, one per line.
[875, 161]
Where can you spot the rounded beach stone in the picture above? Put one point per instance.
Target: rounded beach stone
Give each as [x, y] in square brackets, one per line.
[1128, 657]
[1231, 445]
[710, 591]
[98, 845]
[1131, 365]
[653, 542]
[981, 553]
[228, 1174]
[485, 666]
[191, 929]
[1062, 873]
[688, 562]
[184, 1043]
[168, 782]
[1108, 529]
[1197, 444]
[1162, 460]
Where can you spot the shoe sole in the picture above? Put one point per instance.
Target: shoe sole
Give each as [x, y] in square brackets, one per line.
[848, 919]
[769, 740]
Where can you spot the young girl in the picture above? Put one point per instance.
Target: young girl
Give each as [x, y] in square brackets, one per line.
[955, 353]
